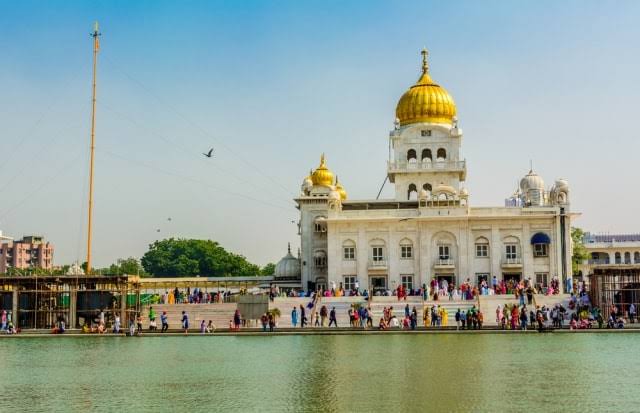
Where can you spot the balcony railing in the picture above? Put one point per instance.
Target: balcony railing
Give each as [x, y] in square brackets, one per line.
[511, 261]
[599, 262]
[444, 165]
[445, 262]
[376, 263]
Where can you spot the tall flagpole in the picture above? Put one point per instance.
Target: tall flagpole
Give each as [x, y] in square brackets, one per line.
[96, 47]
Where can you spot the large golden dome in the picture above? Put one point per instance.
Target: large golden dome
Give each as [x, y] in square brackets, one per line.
[322, 176]
[426, 101]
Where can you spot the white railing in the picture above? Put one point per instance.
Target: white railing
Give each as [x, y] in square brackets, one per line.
[445, 261]
[448, 165]
[512, 261]
[375, 263]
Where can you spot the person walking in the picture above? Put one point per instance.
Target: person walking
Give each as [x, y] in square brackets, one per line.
[332, 317]
[271, 321]
[294, 317]
[458, 319]
[237, 320]
[323, 315]
[164, 321]
[632, 313]
[303, 316]
[185, 322]
[3, 325]
[152, 315]
[203, 327]
[132, 327]
[116, 325]
[139, 322]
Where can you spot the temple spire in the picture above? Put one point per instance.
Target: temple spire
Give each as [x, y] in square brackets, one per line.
[425, 64]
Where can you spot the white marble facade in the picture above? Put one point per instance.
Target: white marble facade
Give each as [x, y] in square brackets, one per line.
[429, 229]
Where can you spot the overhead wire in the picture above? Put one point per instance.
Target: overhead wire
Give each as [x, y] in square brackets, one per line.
[188, 178]
[195, 125]
[46, 182]
[40, 118]
[184, 149]
[39, 155]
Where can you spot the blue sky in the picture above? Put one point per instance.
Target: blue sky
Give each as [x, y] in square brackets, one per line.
[271, 85]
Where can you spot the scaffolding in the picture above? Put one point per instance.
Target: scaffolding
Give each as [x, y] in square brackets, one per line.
[40, 302]
[618, 287]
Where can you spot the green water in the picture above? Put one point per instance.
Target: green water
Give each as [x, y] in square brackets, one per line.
[448, 372]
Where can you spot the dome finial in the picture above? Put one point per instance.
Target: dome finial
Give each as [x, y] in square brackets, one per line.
[322, 161]
[289, 247]
[425, 64]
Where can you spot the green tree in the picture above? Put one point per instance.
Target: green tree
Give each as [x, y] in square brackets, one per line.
[269, 269]
[579, 251]
[189, 257]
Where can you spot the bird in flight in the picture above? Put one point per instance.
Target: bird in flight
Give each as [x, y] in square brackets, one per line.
[208, 154]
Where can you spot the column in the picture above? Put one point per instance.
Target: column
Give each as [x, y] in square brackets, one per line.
[73, 307]
[14, 307]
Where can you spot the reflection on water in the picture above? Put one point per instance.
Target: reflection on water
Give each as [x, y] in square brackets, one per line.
[548, 372]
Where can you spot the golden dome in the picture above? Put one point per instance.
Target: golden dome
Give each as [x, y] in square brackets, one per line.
[425, 101]
[322, 176]
[341, 190]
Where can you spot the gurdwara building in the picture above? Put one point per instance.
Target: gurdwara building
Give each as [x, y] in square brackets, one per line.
[429, 229]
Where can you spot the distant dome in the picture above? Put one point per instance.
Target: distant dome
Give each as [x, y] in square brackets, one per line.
[340, 189]
[562, 184]
[531, 181]
[307, 183]
[288, 266]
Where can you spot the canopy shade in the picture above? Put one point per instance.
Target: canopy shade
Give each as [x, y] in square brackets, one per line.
[540, 238]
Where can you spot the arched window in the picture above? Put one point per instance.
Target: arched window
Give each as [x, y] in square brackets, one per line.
[406, 249]
[627, 258]
[636, 257]
[426, 155]
[618, 258]
[320, 258]
[349, 250]
[427, 187]
[441, 154]
[511, 249]
[377, 251]
[412, 192]
[411, 155]
[482, 247]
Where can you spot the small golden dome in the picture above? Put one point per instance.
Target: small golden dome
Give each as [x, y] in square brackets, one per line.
[426, 101]
[322, 176]
[341, 190]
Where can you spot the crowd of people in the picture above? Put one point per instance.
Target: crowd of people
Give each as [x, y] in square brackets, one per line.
[6, 323]
[197, 296]
[437, 289]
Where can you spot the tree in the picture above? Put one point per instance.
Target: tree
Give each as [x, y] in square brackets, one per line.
[579, 251]
[269, 269]
[189, 257]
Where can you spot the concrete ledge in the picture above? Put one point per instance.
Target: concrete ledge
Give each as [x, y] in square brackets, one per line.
[318, 331]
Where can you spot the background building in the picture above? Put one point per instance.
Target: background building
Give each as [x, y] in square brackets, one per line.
[30, 252]
[429, 230]
[613, 269]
